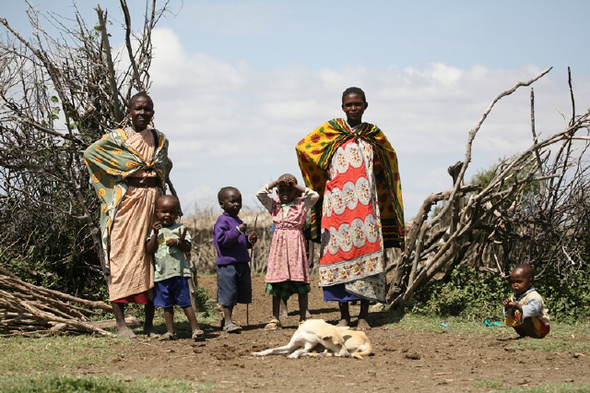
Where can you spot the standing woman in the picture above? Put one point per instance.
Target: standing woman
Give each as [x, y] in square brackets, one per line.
[353, 166]
[128, 168]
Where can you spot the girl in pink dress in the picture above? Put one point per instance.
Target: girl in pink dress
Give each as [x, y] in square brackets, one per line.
[287, 271]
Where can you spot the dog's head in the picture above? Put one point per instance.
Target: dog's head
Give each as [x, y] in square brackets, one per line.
[334, 342]
[335, 339]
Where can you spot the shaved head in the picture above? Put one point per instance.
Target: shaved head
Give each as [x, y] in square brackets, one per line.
[527, 269]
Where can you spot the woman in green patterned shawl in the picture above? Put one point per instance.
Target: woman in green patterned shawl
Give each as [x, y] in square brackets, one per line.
[128, 169]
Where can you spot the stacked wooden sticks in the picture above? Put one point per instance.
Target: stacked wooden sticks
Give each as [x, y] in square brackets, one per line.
[27, 309]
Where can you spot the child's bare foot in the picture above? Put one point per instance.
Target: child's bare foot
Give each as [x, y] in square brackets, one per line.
[362, 324]
[125, 332]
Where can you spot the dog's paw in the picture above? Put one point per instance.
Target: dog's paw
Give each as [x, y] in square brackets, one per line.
[257, 354]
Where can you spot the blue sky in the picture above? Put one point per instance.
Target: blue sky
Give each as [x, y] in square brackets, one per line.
[237, 83]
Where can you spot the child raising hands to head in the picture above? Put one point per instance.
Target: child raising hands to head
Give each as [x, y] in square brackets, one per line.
[525, 310]
[287, 271]
[169, 240]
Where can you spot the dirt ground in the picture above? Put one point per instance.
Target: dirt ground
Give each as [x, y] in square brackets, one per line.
[403, 360]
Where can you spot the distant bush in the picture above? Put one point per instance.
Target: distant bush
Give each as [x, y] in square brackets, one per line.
[467, 293]
[478, 295]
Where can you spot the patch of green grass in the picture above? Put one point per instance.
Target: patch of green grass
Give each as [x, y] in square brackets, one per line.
[488, 384]
[555, 345]
[51, 354]
[102, 384]
[457, 325]
[553, 388]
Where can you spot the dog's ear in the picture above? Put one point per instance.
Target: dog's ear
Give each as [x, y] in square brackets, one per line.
[336, 338]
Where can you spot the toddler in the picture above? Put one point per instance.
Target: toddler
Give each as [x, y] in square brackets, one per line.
[287, 271]
[233, 269]
[525, 311]
[169, 240]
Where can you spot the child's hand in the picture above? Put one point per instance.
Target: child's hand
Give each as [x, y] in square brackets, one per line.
[508, 303]
[173, 242]
[156, 227]
[253, 237]
[242, 227]
[287, 181]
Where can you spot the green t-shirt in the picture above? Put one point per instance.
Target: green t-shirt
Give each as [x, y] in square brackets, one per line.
[170, 261]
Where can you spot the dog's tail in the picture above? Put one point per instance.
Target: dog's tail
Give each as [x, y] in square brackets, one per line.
[368, 350]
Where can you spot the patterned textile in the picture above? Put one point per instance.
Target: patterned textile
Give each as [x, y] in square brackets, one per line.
[110, 160]
[514, 321]
[361, 213]
[352, 244]
[315, 153]
[287, 260]
[170, 261]
[285, 289]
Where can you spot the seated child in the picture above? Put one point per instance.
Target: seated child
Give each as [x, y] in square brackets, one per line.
[525, 311]
[234, 284]
[169, 241]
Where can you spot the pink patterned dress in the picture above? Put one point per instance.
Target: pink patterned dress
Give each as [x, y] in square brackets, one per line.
[287, 260]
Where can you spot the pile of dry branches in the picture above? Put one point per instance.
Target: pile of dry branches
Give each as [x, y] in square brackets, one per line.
[534, 209]
[59, 93]
[27, 309]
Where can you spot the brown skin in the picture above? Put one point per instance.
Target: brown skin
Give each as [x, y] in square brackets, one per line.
[167, 210]
[288, 190]
[231, 203]
[521, 280]
[141, 111]
[354, 106]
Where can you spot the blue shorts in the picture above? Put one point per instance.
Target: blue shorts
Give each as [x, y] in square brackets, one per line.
[172, 291]
[234, 284]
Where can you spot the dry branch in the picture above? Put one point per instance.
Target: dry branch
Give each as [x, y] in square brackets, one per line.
[531, 210]
[27, 309]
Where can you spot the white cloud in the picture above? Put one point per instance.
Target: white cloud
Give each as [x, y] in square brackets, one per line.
[229, 123]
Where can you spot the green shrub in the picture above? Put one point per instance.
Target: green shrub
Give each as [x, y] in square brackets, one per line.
[204, 305]
[467, 293]
[479, 295]
[568, 298]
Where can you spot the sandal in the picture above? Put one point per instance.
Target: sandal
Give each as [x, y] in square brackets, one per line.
[231, 328]
[197, 334]
[168, 336]
[274, 324]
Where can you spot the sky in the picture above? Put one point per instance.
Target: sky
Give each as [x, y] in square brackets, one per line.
[236, 84]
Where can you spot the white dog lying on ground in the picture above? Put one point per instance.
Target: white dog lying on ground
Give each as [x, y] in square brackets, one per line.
[317, 334]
